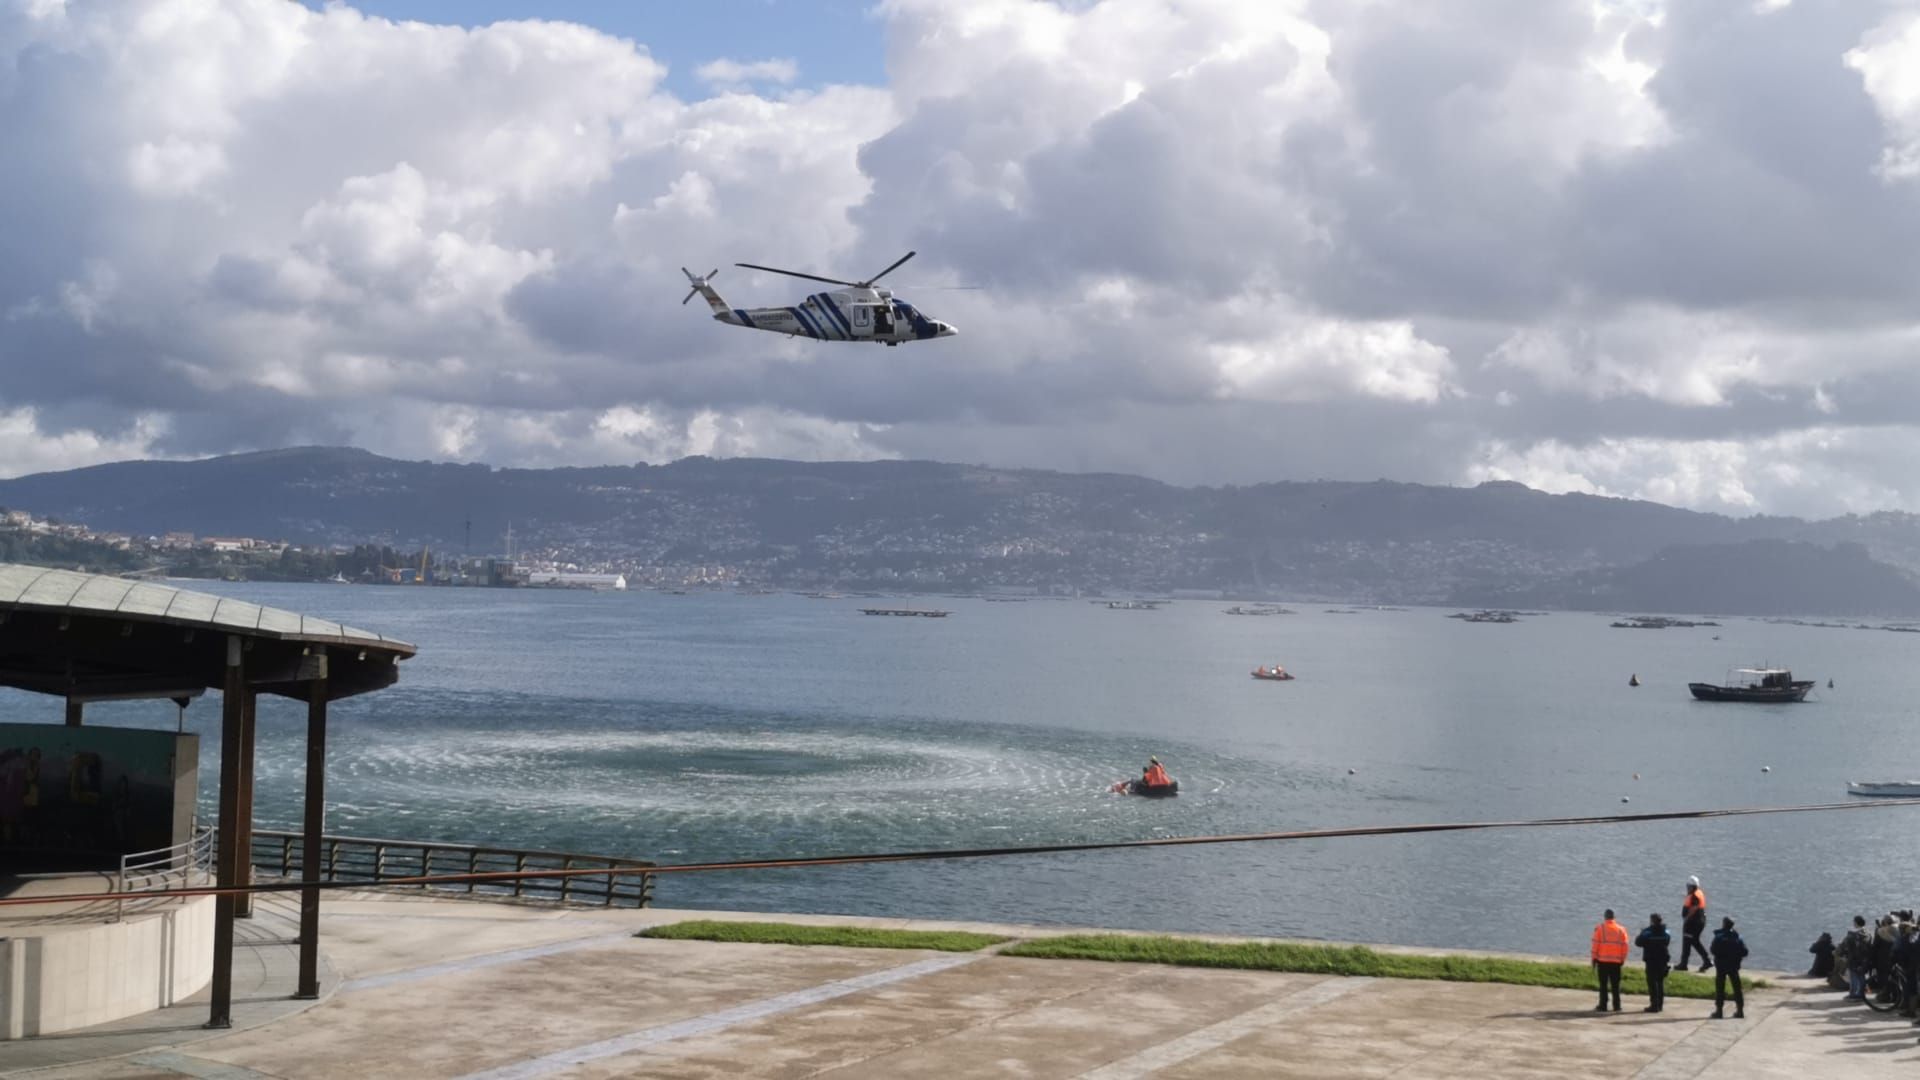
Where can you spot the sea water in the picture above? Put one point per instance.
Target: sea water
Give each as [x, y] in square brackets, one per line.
[714, 726]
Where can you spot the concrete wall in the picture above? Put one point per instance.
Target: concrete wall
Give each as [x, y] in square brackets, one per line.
[76, 976]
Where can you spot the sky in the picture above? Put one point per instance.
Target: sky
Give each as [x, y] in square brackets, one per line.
[1633, 247]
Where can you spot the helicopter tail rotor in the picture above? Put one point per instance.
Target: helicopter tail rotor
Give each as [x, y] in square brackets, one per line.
[697, 282]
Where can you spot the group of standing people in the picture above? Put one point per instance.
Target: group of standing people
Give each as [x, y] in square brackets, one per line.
[1871, 953]
[1611, 947]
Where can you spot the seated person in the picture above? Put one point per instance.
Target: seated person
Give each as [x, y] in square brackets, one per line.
[1822, 951]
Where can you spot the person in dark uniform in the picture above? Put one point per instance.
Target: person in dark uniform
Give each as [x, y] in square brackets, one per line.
[1728, 951]
[1655, 951]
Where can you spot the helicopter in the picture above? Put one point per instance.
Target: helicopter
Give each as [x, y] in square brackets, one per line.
[858, 312]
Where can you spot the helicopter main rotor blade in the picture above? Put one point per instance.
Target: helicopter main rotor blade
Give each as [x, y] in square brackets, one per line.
[888, 270]
[798, 274]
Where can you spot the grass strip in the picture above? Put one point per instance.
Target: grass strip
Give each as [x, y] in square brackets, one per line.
[856, 937]
[1346, 960]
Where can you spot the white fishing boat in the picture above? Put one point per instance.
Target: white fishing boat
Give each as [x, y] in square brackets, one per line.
[1901, 789]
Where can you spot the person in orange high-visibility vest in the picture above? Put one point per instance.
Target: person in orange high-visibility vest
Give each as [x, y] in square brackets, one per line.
[1693, 923]
[1155, 775]
[1610, 946]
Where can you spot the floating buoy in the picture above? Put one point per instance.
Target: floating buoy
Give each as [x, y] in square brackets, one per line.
[1766, 768]
[1633, 680]
[1623, 798]
[1636, 776]
[1350, 772]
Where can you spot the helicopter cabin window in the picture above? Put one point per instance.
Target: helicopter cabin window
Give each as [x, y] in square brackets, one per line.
[883, 320]
[860, 320]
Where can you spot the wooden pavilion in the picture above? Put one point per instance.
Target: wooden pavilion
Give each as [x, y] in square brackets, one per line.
[92, 637]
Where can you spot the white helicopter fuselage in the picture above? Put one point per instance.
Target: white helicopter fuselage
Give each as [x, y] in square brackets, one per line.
[856, 314]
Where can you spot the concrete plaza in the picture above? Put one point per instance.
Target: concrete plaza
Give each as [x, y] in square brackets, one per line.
[424, 987]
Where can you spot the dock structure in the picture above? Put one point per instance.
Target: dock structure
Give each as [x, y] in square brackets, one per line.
[928, 613]
[94, 637]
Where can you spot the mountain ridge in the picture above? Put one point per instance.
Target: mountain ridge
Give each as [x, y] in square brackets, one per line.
[926, 525]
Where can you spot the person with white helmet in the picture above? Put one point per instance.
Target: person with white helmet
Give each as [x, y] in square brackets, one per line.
[1693, 923]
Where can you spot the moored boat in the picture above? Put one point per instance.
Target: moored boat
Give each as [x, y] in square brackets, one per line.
[1274, 673]
[1151, 791]
[1756, 685]
[1899, 789]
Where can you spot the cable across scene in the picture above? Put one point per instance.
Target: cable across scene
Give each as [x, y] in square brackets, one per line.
[509, 876]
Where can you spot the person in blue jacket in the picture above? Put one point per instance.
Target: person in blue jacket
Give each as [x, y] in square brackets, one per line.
[1728, 951]
[1655, 950]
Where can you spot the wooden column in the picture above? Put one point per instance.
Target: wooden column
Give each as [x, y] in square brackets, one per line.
[74, 709]
[310, 856]
[243, 904]
[233, 694]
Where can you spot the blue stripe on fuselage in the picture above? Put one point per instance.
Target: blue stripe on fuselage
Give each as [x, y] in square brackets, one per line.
[827, 323]
[745, 319]
[801, 318]
[839, 319]
[820, 323]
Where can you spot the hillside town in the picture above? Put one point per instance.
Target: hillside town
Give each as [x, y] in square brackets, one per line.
[29, 539]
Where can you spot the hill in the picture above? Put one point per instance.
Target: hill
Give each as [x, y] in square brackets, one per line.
[935, 526]
[1758, 577]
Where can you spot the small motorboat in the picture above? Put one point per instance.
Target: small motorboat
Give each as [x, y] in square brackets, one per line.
[1897, 789]
[1274, 673]
[1151, 791]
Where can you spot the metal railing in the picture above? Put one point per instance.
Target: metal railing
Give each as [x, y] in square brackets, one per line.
[186, 863]
[359, 858]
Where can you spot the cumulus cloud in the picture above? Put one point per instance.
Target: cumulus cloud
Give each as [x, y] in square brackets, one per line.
[726, 74]
[1818, 471]
[1632, 246]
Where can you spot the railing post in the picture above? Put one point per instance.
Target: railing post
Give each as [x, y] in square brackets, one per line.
[566, 883]
[333, 859]
[426, 865]
[473, 866]
[519, 867]
[611, 878]
[379, 862]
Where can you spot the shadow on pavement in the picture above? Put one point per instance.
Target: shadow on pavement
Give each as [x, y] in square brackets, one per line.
[1826, 1014]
